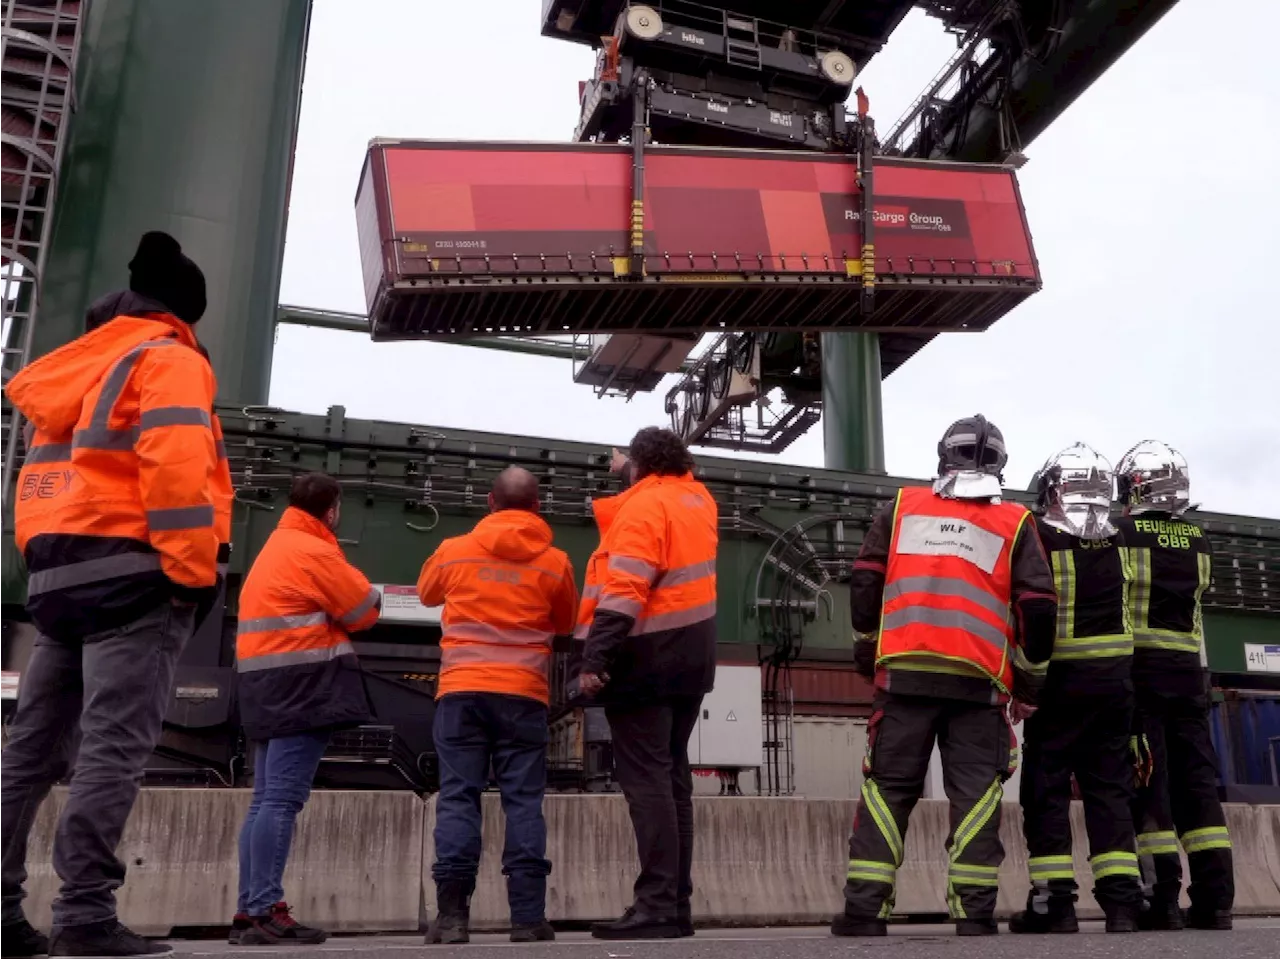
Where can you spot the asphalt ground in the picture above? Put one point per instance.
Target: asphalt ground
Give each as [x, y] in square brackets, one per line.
[1251, 939]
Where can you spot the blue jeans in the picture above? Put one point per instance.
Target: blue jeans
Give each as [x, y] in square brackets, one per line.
[283, 770]
[471, 731]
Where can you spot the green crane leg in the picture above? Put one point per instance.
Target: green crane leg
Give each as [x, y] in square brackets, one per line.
[187, 116]
[852, 416]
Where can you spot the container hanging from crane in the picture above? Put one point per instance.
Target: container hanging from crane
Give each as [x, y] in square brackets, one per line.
[465, 239]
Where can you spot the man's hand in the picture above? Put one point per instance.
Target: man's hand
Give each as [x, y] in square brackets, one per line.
[590, 684]
[1018, 711]
[617, 461]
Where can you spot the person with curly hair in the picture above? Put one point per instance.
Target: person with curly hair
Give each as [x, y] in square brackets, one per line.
[650, 657]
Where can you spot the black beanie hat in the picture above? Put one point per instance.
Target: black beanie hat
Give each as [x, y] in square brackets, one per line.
[161, 271]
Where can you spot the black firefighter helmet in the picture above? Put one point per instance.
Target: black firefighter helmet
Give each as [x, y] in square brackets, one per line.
[973, 444]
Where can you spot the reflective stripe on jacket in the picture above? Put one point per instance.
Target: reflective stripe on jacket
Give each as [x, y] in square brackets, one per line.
[1172, 565]
[948, 586]
[653, 626]
[507, 592]
[116, 508]
[1092, 581]
[299, 602]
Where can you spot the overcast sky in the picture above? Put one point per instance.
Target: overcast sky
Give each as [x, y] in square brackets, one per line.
[1153, 202]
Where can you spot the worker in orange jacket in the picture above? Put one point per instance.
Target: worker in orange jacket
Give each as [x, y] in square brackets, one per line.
[650, 657]
[299, 680]
[116, 516]
[507, 592]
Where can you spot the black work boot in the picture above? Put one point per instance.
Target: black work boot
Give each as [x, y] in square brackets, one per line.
[453, 914]
[976, 927]
[1217, 920]
[21, 941]
[1160, 916]
[1055, 920]
[635, 924]
[540, 931]
[109, 938]
[684, 920]
[845, 925]
[1121, 918]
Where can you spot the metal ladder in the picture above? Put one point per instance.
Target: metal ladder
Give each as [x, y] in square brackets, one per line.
[741, 41]
[39, 47]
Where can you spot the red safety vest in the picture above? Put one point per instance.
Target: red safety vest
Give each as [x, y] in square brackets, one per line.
[948, 586]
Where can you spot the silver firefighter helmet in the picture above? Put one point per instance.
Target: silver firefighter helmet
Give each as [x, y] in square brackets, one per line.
[1153, 478]
[1074, 489]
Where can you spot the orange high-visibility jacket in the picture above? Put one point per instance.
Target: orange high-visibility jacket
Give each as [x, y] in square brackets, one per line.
[297, 668]
[120, 493]
[948, 586]
[653, 625]
[507, 592]
[605, 509]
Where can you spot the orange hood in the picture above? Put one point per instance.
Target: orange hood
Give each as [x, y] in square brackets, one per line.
[514, 534]
[50, 391]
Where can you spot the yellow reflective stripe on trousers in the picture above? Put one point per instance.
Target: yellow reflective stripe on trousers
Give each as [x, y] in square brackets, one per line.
[1116, 863]
[869, 871]
[1109, 646]
[1161, 843]
[1209, 837]
[883, 819]
[1044, 868]
[970, 826]
[963, 874]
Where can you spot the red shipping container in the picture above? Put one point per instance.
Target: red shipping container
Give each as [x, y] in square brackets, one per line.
[470, 238]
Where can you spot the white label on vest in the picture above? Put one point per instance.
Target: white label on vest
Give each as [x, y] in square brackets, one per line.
[948, 536]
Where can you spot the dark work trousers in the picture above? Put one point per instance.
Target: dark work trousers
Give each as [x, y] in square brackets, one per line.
[473, 731]
[651, 761]
[97, 708]
[974, 740]
[1086, 736]
[1182, 796]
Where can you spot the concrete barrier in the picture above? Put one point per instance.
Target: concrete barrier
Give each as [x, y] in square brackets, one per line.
[783, 860]
[362, 860]
[1254, 837]
[356, 863]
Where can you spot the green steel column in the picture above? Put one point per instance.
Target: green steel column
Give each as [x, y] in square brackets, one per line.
[852, 416]
[188, 112]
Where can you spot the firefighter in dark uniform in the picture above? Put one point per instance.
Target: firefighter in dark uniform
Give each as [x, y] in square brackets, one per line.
[955, 587]
[1081, 726]
[1171, 563]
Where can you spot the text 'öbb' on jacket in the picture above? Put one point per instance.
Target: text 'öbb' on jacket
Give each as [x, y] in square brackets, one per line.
[653, 625]
[297, 668]
[119, 498]
[507, 592]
